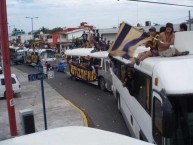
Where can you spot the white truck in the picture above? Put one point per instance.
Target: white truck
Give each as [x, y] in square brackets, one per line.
[99, 74]
[158, 109]
[16, 86]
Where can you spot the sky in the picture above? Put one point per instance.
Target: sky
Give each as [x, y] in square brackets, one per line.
[99, 13]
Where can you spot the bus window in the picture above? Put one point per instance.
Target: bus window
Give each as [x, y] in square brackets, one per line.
[123, 71]
[157, 121]
[117, 69]
[143, 90]
[107, 65]
[148, 94]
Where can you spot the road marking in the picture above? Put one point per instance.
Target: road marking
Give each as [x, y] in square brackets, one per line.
[81, 112]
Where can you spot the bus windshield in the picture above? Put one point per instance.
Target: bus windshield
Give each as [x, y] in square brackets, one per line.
[51, 55]
[183, 112]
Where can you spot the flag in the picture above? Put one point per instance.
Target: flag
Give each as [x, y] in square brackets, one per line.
[127, 40]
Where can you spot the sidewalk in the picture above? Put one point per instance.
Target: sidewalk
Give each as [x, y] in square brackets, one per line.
[59, 111]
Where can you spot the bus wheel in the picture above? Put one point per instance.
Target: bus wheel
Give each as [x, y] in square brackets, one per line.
[102, 84]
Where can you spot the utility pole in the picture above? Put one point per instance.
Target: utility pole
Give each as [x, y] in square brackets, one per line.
[10, 31]
[6, 66]
[32, 18]
[189, 21]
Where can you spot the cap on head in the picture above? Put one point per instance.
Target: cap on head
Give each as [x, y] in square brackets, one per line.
[152, 29]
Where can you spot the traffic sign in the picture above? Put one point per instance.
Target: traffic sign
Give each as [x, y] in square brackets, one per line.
[37, 76]
[40, 76]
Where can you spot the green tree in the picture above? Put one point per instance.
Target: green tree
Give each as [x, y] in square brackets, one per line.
[55, 30]
[47, 31]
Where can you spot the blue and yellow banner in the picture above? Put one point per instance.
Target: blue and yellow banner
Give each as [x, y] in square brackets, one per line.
[127, 40]
[82, 73]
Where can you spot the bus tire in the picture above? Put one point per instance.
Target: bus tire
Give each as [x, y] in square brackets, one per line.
[102, 84]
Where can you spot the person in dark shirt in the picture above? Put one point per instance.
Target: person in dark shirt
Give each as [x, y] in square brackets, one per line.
[84, 37]
[129, 82]
[183, 27]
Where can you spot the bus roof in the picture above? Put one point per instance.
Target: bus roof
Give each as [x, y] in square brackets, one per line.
[73, 135]
[87, 51]
[174, 73]
[16, 47]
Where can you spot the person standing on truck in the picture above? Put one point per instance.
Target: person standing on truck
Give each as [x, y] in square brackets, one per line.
[166, 39]
[84, 37]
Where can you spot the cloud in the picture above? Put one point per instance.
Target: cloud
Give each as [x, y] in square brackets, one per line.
[100, 13]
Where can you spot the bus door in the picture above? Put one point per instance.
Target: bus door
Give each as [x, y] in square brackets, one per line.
[157, 115]
[107, 73]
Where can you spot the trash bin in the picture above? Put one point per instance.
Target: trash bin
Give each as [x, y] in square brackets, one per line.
[27, 121]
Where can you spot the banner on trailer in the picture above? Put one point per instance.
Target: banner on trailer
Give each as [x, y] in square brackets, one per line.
[82, 73]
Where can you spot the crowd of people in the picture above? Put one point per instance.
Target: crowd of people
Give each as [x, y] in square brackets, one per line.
[161, 44]
[95, 40]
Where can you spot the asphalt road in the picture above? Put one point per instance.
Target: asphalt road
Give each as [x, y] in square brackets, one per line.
[99, 106]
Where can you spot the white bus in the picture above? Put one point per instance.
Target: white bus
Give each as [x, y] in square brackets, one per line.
[97, 73]
[17, 54]
[73, 135]
[159, 107]
[43, 55]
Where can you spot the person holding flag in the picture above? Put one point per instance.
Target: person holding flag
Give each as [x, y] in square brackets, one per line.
[152, 44]
[127, 40]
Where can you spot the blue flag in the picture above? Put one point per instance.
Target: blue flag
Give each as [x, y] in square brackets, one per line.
[127, 40]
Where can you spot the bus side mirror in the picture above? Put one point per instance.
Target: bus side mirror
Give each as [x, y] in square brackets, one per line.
[168, 120]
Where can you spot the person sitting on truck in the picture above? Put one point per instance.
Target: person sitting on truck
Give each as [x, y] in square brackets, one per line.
[153, 47]
[96, 64]
[183, 27]
[165, 40]
[88, 63]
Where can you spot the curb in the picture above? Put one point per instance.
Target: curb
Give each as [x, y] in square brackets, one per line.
[81, 112]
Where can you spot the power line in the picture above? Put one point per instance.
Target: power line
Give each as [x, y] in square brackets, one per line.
[161, 3]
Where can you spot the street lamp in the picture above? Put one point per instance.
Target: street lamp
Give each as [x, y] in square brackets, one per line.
[32, 24]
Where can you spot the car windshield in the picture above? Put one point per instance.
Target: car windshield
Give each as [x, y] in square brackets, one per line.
[183, 112]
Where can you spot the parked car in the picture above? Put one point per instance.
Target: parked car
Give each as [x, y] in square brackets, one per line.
[15, 85]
